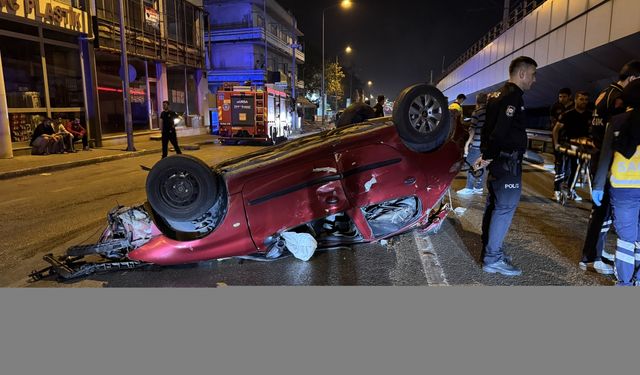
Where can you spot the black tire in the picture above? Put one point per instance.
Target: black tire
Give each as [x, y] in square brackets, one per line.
[422, 118]
[182, 187]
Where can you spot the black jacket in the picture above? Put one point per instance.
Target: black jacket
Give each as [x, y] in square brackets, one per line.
[504, 129]
[40, 130]
[167, 121]
[608, 103]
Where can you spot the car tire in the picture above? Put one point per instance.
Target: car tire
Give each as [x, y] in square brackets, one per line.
[182, 187]
[422, 118]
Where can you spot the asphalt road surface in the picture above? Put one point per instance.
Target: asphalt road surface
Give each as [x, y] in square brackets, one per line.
[48, 213]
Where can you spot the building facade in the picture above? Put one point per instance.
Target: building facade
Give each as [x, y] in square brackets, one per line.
[61, 59]
[252, 40]
[43, 69]
[166, 58]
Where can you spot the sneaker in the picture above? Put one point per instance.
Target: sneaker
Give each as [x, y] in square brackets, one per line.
[575, 196]
[465, 191]
[503, 268]
[598, 266]
[478, 191]
[556, 196]
[608, 256]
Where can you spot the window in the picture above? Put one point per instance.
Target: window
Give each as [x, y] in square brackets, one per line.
[22, 65]
[64, 76]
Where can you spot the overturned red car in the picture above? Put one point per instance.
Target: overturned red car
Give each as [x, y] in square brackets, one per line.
[359, 183]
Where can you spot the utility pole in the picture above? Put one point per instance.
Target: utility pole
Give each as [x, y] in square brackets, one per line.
[6, 149]
[294, 47]
[128, 121]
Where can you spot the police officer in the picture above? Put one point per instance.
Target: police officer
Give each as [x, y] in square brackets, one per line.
[608, 103]
[503, 143]
[169, 129]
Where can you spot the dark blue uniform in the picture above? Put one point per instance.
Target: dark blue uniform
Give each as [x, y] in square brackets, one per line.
[608, 103]
[504, 140]
[169, 132]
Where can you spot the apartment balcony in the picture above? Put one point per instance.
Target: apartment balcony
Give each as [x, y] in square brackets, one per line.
[253, 34]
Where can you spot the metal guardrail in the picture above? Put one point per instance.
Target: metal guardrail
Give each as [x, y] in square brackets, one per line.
[519, 13]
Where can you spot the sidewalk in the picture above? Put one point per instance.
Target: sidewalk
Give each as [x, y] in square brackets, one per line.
[25, 165]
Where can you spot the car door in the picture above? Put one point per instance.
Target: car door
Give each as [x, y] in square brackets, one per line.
[291, 193]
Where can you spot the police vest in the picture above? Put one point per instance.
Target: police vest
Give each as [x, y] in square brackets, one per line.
[625, 173]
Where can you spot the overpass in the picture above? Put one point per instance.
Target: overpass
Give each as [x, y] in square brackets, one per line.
[581, 44]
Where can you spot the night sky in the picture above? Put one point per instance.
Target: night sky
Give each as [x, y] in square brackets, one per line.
[396, 43]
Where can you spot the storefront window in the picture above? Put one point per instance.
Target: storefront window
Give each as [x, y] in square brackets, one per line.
[192, 93]
[21, 125]
[176, 86]
[23, 77]
[111, 98]
[64, 76]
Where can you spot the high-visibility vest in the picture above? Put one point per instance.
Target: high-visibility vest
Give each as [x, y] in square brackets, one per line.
[625, 173]
[455, 106]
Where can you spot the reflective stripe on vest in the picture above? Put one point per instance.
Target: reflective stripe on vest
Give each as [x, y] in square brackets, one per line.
[625, 173]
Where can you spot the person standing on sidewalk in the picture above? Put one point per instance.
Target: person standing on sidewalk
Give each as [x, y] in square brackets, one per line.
[503, 144]
[608, 103]
[475, 185]
[169, 130]
[619, 159]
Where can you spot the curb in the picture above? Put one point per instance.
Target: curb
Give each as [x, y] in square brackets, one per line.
[68, 165]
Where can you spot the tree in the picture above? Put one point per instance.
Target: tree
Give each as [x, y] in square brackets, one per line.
[334, 76]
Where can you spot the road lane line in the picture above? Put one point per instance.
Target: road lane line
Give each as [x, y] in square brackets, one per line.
[432, 268]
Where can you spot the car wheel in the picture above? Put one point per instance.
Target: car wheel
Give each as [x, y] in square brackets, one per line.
[182, 187]
[422, 118]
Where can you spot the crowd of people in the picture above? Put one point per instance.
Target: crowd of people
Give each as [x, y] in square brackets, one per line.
[59, 138]
[610, 126]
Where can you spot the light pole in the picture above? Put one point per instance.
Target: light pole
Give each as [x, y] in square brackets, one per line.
[345, 4]
[369, 84]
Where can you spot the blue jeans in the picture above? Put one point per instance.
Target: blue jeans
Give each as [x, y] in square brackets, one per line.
[502, 201]
[474, 182]
[625, 204]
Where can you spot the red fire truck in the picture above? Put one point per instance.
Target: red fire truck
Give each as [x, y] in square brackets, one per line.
[252, 114]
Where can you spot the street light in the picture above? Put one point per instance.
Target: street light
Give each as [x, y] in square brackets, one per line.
[348, 49]
[345, 4]
[369, 83]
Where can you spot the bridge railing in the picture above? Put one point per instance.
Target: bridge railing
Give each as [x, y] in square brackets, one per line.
[516, 15]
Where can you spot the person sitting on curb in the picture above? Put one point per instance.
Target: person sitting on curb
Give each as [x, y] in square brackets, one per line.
[78, 132]
[44, 141]
[67, 137]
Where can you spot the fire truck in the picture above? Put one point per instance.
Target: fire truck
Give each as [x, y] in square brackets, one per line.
[253, 114]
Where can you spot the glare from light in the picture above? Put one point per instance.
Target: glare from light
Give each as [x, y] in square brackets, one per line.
[346, 4]
[348, 49]
[369, 83]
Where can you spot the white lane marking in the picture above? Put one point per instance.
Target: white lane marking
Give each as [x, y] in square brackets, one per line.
[432, 268]
[7, 203]
[63, 189]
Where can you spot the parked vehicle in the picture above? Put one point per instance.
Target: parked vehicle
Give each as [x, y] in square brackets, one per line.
[359, 183]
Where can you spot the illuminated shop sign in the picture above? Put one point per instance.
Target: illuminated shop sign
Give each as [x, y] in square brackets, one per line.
[50, 12]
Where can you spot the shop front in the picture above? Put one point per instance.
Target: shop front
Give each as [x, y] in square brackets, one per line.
[42, 65]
